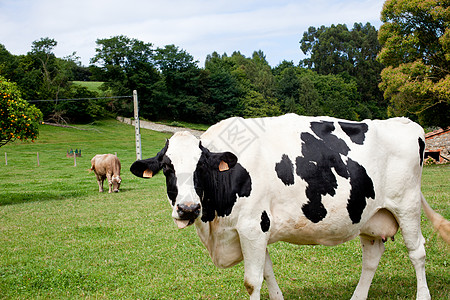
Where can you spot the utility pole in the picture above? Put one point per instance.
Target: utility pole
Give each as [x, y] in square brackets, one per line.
[137, 126]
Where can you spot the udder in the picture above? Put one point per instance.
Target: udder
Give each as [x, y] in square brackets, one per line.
[382, 225]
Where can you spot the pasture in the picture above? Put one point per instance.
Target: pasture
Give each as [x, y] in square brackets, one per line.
[90, 85]
[60, 238]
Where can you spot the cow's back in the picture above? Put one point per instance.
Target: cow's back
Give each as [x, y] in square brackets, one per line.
[347, 170]
[104, 164]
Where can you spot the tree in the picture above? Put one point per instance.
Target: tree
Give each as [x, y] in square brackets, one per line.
[128, 64]
[308, 97]
[415, 39]
[288, 89]
[7, 61]
[306, 92]
[178, 68]
[186, 85]
[337, 97]
[256, 105]
[83, 111]
[223, 93]
[252, 83]
[18, 119]
[41, 75]
[350, 54]
[54, 71]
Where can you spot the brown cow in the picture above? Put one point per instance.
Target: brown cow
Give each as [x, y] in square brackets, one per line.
[107, 166]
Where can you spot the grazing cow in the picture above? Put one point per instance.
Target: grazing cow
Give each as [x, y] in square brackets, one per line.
[107, 166]
[302, 180]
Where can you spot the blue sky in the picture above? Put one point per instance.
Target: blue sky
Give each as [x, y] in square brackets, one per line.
[197, 26]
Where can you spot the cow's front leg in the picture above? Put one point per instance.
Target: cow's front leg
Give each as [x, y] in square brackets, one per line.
[269, 276]
[110, 183]
[253, 245]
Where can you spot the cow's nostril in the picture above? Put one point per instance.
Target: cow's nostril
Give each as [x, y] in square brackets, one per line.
[188, 212]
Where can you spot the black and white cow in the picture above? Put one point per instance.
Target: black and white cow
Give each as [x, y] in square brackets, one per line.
[304, 180]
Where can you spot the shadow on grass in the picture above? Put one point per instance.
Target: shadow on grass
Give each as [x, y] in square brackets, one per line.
[27, 197]
[396, 287]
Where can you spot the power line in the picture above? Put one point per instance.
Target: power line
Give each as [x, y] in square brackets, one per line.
[80, 99]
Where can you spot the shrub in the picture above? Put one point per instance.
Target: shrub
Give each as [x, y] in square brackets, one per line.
[18, 119]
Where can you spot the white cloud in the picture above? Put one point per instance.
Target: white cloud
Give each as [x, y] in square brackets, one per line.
[198, 26]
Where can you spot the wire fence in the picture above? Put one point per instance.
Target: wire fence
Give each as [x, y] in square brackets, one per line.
[80, 99]
[70, 155]
[38, 161]
[136, 117]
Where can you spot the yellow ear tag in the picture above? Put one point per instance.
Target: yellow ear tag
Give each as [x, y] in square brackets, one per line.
[147, 174]
[223, 166]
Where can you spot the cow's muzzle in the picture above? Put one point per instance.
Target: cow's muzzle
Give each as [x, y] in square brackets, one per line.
[187, 214]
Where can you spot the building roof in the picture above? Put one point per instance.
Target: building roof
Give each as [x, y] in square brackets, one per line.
[437, 132]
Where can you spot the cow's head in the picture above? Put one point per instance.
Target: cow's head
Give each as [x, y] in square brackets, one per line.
[188, 167]
[115, 183]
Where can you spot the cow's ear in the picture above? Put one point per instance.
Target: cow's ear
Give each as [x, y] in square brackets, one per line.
[146, 168]
[221, 161]
[227, 161]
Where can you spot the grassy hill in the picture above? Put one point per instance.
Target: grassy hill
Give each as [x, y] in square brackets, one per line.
[60, 238]
[90, 85]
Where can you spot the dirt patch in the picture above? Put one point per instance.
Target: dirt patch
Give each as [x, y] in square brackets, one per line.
[160, 127]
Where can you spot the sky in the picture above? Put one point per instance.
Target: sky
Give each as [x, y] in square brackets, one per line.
[199, 27]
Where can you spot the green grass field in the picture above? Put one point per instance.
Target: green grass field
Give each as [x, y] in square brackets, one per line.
[90, 85]
[60, 238]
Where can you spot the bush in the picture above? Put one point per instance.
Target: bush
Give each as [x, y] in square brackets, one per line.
[19, 120]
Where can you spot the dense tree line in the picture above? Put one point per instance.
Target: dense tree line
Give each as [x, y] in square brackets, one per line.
[171, 85]
[341, 77]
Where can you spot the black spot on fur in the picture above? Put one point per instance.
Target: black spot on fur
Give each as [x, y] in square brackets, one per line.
[356, 131]
[171, 179]
[323, 130]
[322, 155]
[319, 157]
[285, 170]
[361, 188]
[265, 222]
[218, 190]
[421, 150]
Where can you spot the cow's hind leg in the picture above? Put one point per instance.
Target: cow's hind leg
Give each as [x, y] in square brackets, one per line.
[415, 243]
[269, 276]
[372, 249]
[100, 183]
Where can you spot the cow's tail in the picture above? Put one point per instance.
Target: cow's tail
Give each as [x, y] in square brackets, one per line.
[441, 225]
[92, 168]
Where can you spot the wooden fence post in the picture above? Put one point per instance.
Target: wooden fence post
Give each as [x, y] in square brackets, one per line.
[74, 160]
[137, 126]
